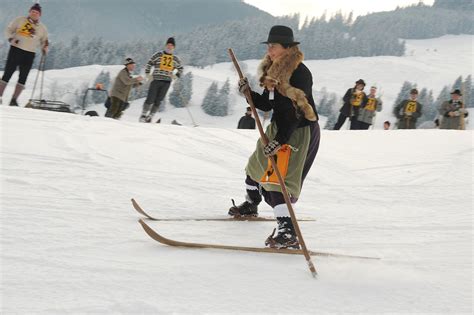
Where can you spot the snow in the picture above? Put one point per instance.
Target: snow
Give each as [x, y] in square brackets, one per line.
[71, 243]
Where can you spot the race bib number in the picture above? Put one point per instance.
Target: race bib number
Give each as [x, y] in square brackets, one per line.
[282, 159]
[166, 63]
[371, 104]
[411, 107]
[26, 30]
[357, 99]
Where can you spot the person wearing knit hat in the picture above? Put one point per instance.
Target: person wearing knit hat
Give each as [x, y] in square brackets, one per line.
[25, 34]
[353, 100]
[408, 111]
[167, 66]
[171, 41]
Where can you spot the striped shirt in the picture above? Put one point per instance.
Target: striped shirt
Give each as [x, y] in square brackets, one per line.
[164, 65]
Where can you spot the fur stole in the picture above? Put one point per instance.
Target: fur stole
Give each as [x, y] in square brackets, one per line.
[277, 75]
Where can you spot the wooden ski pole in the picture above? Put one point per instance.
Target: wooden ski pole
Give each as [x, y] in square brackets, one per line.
[284, 191]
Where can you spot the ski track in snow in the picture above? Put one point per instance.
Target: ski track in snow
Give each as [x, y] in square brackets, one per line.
[71, 242]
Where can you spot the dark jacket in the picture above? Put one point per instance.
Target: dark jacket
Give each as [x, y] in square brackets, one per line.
[352, 104]
[286, 117]
[246, 122]
[402, 112]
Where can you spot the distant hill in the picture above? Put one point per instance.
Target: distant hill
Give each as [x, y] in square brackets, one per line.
[454, 4]
[126, 19]
[85, 32]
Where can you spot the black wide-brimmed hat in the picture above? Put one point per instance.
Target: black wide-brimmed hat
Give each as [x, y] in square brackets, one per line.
[281, 34]
[360, 81]
[128, 61]
[457, 91]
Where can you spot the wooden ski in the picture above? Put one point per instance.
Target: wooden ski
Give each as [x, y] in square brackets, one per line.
[166, 241]
[140, 210]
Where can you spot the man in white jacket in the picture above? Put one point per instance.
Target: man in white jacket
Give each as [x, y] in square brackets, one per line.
[25, 34]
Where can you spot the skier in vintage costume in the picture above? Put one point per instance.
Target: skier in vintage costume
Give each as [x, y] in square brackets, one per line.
[408, 111]
[166, 66]
[368, 110]
[25, 34]
[452, 111]
[123, 84]
[293, 134]
[353, 100]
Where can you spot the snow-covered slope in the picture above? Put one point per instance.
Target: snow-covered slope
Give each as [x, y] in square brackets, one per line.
[71, 244]
[431, 63]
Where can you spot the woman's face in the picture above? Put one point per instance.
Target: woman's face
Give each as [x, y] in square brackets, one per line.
[275, 50]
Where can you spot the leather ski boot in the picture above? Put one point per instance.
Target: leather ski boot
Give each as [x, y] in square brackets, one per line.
[245, 209]
[286, 237]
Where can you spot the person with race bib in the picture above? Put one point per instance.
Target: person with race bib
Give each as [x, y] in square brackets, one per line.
[353, 100]
[408, 111]
[25, 34]
[166, 67]
[368, 111]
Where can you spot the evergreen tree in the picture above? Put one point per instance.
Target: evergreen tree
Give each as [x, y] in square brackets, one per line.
[210, 100]
[182, 91]
[443, 96]
[223, 100]
[430, 112]
[404, 92]
[333, 111]
[468, 93]
[104, 79]
[458, 83]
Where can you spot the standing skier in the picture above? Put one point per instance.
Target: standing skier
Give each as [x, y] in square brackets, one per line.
[165, 63]
[408, 111]
[25, 34]
[452, 111]
[353, 99]
[367, 111]
[121, 89]
[293, 133]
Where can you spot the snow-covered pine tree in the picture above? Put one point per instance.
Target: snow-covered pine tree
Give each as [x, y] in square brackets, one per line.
[443, 96]
[210, 99]
[333, 112]
[104, 79]
[430, 112]
[222, 108]
[458, 83]
[182, 91]
[468, 93]
[404, 92]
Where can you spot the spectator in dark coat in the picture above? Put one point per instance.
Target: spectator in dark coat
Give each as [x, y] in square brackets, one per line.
[353, 100]
[247, 121]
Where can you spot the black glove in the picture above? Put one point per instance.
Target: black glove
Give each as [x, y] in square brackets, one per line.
[243, 85]
[271, 148]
